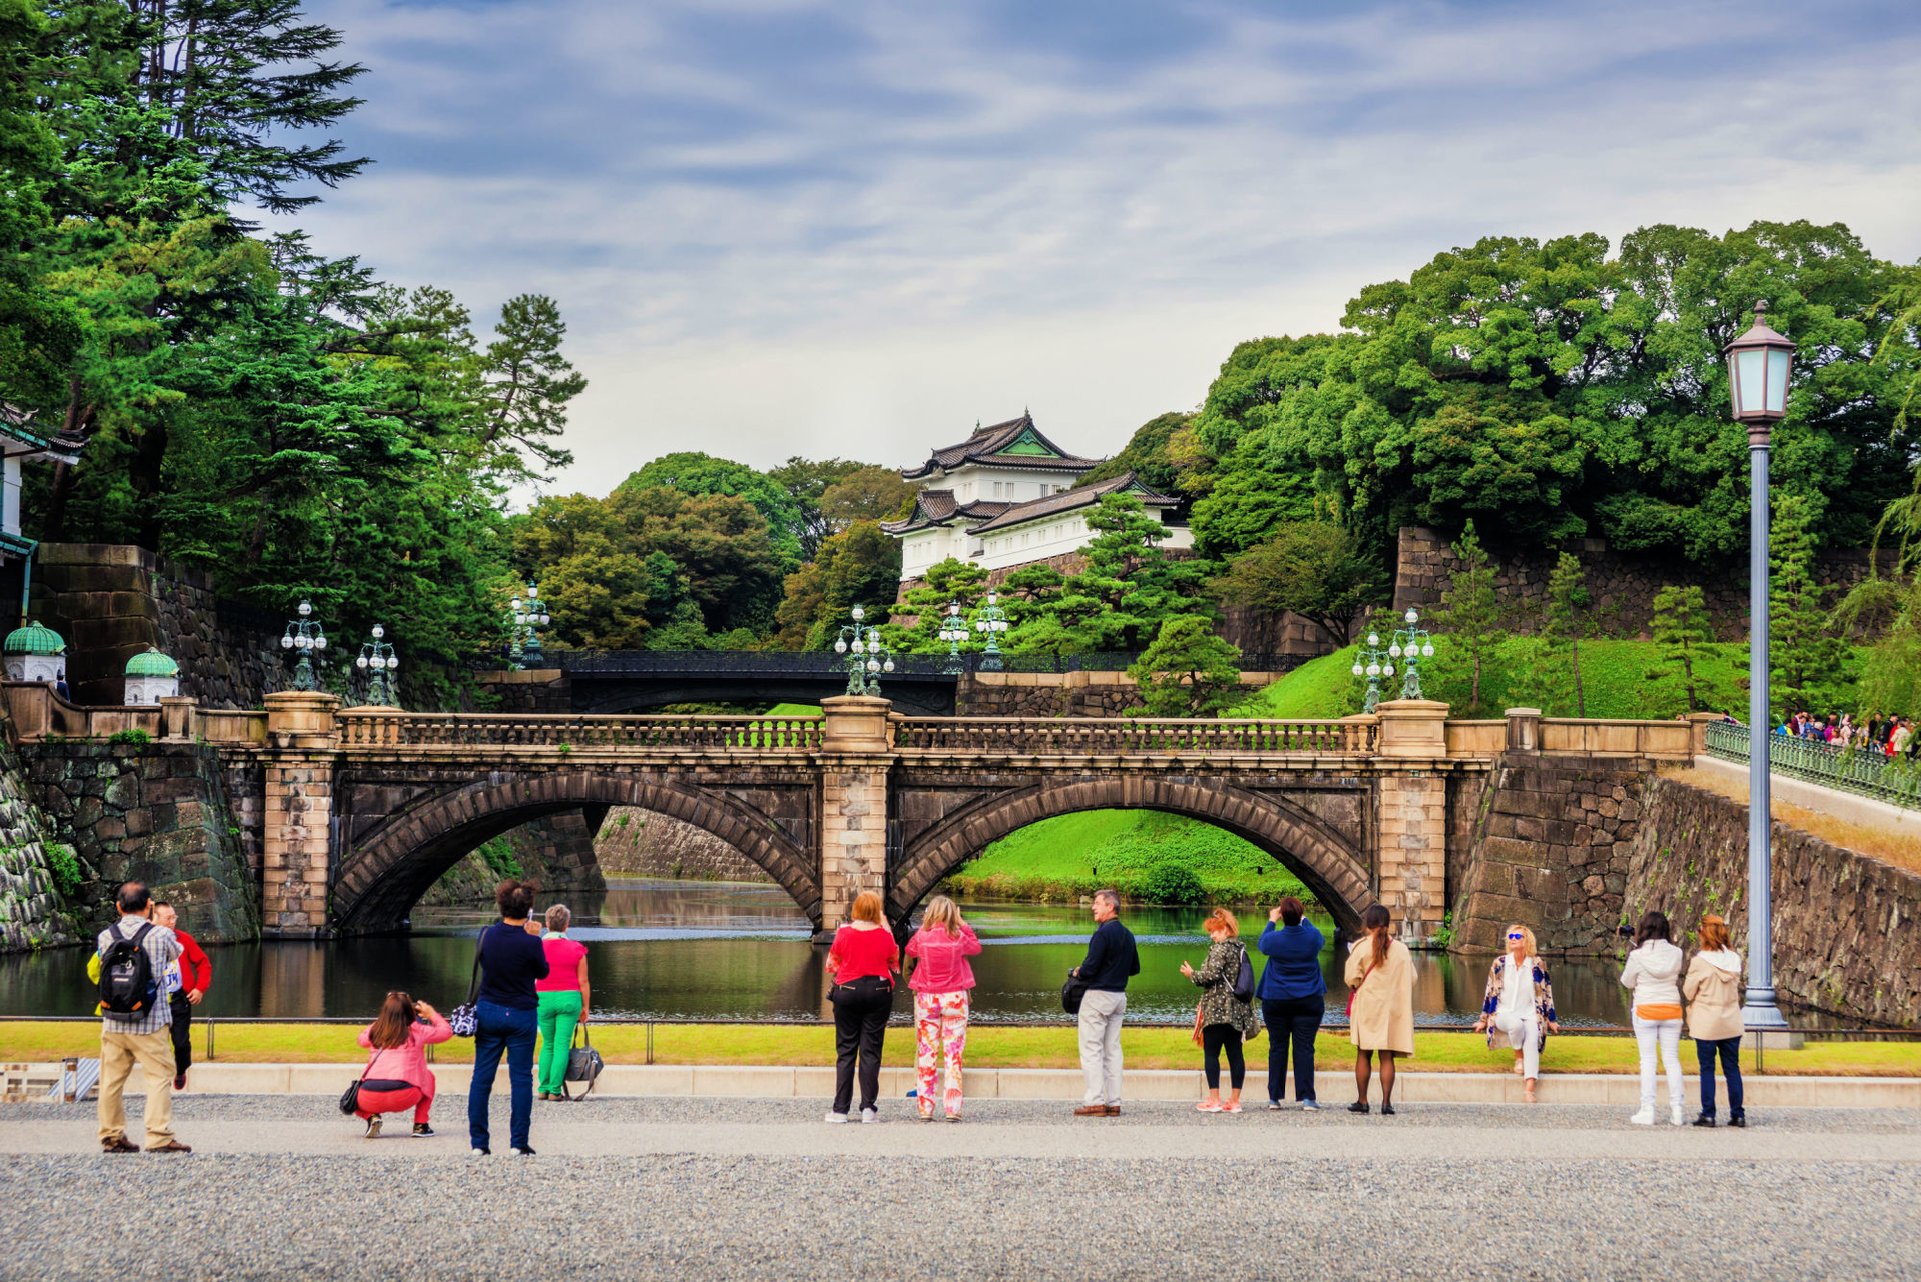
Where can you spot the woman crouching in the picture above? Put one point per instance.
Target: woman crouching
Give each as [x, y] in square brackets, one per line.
[397, 1077]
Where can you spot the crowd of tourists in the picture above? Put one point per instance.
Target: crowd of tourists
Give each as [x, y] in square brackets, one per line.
[529, 992]
[1889, 736]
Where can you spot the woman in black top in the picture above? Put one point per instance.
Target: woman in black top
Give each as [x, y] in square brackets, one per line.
[511, 959]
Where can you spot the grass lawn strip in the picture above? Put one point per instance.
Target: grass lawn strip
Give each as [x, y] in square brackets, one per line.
[778, 1044]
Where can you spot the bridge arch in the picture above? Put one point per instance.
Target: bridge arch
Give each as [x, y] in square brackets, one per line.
[1332, 866]
[389, 869]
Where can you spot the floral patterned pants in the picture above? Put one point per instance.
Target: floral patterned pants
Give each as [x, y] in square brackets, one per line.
[940, 1035]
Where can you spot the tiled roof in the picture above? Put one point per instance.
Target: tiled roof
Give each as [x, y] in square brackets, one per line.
[937, 507]
[986, 444]
[1069, 500]
[63, 446]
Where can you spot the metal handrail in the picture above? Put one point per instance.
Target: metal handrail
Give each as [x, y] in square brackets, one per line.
[1864, 771]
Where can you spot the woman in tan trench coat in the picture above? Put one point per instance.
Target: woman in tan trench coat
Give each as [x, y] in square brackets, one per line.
[1380, 973]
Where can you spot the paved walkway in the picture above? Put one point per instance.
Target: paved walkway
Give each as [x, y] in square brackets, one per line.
[708, 1188]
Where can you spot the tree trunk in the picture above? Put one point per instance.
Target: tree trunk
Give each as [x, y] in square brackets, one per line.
[1580, 698]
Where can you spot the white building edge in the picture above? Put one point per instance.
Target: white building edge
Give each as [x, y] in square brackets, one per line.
[1005, 497]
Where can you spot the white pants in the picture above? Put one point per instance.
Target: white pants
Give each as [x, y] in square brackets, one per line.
[1523, 1029]
[1101, 1045]
[1666, 1035]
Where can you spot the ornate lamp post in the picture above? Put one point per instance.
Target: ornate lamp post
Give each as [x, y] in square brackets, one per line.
[305, 636]
[1373, 664]
[529, 615]
[378, 660]
[1758, 366]
[1410, 645]
[867, 658]
[990, 621]
[953, 630]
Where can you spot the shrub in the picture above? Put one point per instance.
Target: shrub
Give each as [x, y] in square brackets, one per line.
[498, 854]
[65, 867]
[1171, 883]
[134, 735]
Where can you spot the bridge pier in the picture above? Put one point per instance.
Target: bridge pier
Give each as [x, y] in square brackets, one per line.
[1411, 816]
[296, 871]
[856, 753]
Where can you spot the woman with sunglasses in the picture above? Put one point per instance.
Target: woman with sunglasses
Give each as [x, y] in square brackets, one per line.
[1519, 1005]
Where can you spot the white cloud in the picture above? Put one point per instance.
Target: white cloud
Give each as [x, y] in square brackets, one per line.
[859, 251]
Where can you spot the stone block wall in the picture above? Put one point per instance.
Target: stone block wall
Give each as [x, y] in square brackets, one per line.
[1623, 584]
[1847, 927]
[645, 843]
[154, 812]
[111, 601]
[32, 913]
[1549, 850]
[556, 853]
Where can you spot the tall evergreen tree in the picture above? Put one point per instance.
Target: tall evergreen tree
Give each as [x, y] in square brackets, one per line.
[1470, 611]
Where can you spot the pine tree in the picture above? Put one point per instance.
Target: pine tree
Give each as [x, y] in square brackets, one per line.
[1470, 609]
[1188, 671]
[1568, 600]
[1680, 627]
[1805, 658]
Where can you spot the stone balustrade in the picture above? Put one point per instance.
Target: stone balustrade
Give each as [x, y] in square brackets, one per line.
[363, 728]
[1090, 737]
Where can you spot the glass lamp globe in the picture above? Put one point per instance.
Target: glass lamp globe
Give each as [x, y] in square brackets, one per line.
[1358, 670]
[953, 608]
[887, 666]
[361, 662]
[1388, 671]
[992, 598]
[320, 642]
[858, 614]
[543, 620]
[306, 608]
[873, 665]
[1394, 651]
[286, 642]
[1410, 616]
[1373, 638]
[303, 641]
[393, 661]
[980, 625]
[1427, 649]
[379, 632]
[1373, 669]
[840, 646]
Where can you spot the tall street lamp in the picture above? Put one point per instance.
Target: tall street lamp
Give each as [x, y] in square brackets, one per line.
[1372, 662]
[1758, 365]
[953, 630]
[1410, 645]
[991, 621]
[378, 660]
[528, 615]
[307, 638]
[867, 658]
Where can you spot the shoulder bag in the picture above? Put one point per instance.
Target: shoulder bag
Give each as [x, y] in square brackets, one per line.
[1071, 993]
[464, 1019]
[1355, 991]
[1244, 977]
[583, 1064]
[350, 1098]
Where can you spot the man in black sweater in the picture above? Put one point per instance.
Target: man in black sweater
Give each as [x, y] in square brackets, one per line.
[1110, 962]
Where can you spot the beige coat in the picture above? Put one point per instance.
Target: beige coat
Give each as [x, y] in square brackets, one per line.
[1713, 990]
[1383, 1015]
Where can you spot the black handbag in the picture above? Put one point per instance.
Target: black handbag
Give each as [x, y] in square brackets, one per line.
[464, 1019]
[350, 1098]
[1071, 993]
[583, 1063]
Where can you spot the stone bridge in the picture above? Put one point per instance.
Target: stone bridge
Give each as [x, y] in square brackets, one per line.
[349, 815]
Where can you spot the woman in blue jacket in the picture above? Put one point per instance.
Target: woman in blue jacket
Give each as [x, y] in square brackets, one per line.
[1293, 996]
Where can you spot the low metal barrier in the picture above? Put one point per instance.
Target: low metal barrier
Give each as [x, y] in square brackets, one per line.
[1863, 771]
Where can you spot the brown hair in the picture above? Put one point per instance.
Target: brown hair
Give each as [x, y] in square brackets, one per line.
[1292, 911]
[1375, 922]
[867, 907]
[394, 1025]
[515, 898]
[1714, 933]
[1221, 919]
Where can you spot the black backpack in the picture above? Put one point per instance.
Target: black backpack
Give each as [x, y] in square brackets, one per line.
[127, 988]
[1244, 978]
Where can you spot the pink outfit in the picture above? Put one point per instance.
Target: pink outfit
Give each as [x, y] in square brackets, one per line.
[408, 1063]
[940, 1040]
[563, 965]
[943, 964]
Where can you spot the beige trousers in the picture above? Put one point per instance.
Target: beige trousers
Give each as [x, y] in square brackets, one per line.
[119, 1052]
[1100, 1029]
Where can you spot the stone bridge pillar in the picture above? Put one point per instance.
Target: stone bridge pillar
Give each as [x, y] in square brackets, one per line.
[1411, 815]
[856, 753]
[296, 845]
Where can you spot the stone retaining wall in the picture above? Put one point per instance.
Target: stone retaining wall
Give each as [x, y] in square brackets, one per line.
[643, 843]
[556, 853]
[157, 813]
[32, 914]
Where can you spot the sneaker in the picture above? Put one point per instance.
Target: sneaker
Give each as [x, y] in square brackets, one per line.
[373, 1127]
[1643, 1118]
[423, 1131]
[1230, 1108]
[837, 1119]
[1310, 1106]
[1675, 1116]
[480, 1152]
[1274, 1106]
[521, 1150]
[870, 1116]
[1210, 1106]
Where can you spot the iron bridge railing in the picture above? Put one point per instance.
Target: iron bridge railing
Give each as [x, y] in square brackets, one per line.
[822, 663]
[1858, 770]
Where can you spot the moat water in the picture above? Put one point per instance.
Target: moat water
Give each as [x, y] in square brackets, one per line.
[676, 950]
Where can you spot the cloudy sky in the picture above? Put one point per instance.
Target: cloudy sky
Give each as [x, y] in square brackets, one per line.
[854, 229]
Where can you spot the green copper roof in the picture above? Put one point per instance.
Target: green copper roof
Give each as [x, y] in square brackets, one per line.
[152, 664]
[33, 639]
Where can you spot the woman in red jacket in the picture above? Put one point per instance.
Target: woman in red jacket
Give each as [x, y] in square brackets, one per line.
[398, 1077]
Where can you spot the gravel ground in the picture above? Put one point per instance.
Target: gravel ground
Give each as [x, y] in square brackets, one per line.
[760, 1189]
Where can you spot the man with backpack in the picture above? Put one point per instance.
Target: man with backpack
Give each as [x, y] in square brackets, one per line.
[136, 1022]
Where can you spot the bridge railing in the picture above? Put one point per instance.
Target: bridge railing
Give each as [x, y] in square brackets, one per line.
[1857, 770]
[368, 728]
[1041, 736]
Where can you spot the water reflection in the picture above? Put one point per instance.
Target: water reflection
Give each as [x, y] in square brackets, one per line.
[705, 950]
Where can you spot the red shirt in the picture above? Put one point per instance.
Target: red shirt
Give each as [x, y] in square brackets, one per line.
[858, 954]
[196, 972]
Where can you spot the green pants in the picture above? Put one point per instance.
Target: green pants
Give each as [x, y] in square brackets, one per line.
[559, 1012]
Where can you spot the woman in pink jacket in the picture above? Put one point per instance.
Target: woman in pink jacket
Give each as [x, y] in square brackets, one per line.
[398, 1078]
[940, 983]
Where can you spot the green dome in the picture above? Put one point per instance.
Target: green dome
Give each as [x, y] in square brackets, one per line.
[152, 664]
[33, 639]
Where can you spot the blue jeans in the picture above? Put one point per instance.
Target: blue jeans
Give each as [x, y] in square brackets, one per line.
[502, 1029]
[1729, 1049]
